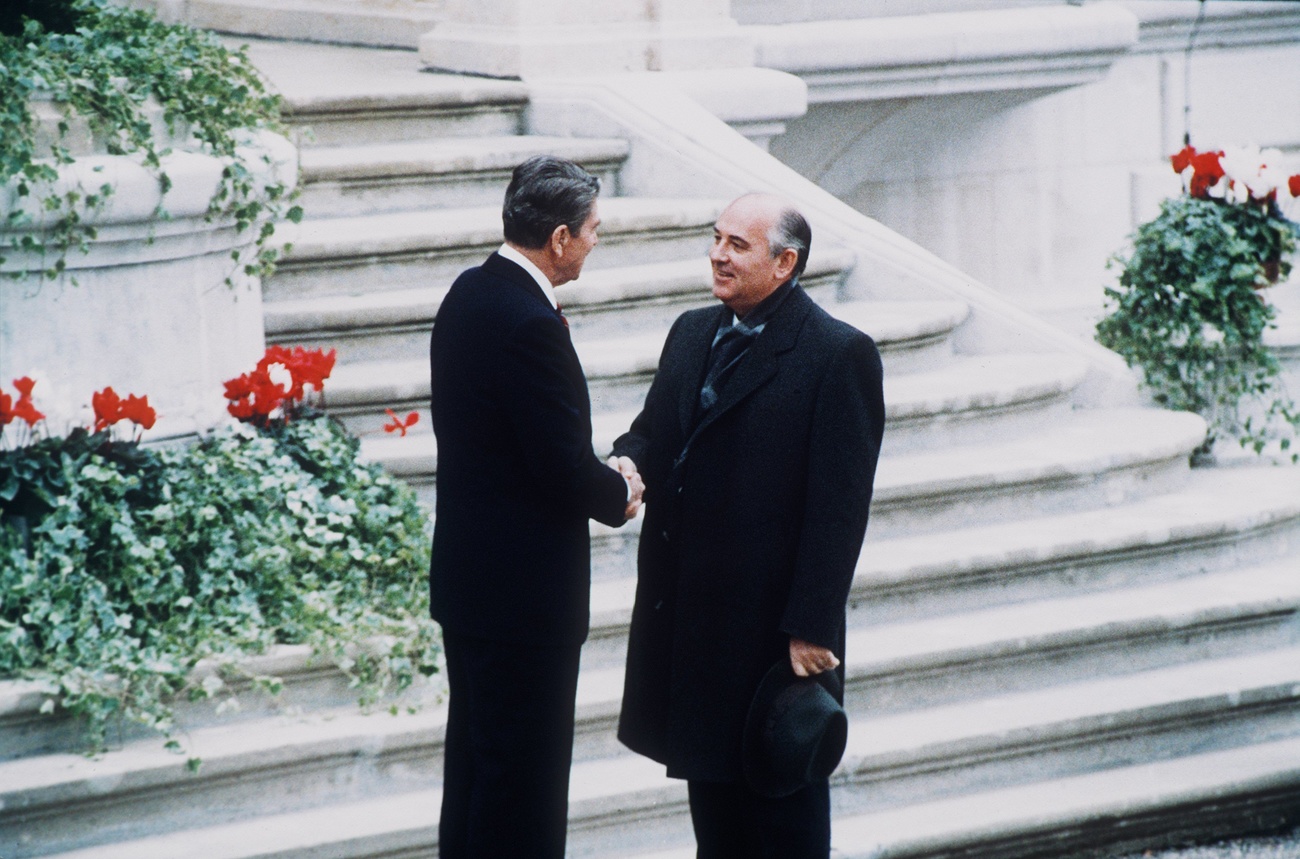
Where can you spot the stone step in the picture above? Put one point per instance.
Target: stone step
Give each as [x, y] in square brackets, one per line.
[428, 249]
[304, 681]
[402, 825]
[1216, 522]
[1090, 457]
[340, 96]
[973, 398]
[912, 335]
[910, 664]
[1094, 457]
[62, 802]
[346, 181]
[1110, 812]
[1088, 723]
[1070, 731]
[628, 300]
[1125, 807]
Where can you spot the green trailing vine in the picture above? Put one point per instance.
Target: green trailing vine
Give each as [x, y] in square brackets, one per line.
[123, 567]
[112, 66]
[1190, 308]
[132, 576]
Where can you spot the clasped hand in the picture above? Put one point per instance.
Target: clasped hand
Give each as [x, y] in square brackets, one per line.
[627, 468]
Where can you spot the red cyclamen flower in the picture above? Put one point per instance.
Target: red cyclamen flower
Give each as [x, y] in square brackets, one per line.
[400, 425]
[254, 395]
[108, 408]
[24, 408]
[1293, 185]
[1182, 159]
[111, 408]
[138, 411]
[25, 386]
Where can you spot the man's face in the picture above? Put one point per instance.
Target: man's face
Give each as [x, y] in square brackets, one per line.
[744, 271]
[569, 265]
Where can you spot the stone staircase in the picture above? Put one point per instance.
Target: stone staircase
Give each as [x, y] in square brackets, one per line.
[1062, 639]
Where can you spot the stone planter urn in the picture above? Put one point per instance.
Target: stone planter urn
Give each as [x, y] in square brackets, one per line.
[147, 309]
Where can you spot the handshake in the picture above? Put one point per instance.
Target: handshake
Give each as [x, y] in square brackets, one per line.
[627, 468]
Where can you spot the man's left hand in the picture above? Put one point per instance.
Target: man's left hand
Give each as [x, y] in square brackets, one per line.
[809, 659]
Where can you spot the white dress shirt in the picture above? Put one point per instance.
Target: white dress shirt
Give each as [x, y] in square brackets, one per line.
[507, 250]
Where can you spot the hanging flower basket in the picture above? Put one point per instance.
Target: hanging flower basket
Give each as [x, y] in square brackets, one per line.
[1188, 309]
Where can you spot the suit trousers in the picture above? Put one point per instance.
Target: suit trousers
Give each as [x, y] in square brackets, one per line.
[733, 822]
[509, 747]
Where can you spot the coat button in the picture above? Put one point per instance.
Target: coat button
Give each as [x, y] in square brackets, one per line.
[664, 534]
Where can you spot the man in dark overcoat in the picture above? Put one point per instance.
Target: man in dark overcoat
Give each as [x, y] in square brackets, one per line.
[518, 480]
[758, 445]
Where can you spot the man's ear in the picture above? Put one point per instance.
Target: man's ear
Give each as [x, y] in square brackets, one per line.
[559, 240]
[785, 263]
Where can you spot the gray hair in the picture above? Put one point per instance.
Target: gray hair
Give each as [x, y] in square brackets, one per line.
[791, 232]
[546, 192]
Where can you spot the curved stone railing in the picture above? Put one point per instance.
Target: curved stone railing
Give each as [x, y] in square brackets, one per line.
[679, 148]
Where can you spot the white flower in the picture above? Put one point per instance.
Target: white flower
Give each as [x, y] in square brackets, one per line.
[280, 375]
[1254, 172]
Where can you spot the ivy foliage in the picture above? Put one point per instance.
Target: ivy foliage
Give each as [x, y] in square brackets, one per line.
[1189, 312]
[108, 65]
[122, 567]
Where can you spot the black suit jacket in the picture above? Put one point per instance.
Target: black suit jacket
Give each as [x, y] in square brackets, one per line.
[754, 522]
[517, 476]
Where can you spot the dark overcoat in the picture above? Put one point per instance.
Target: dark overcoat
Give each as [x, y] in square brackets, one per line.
[753, 526]
[517, 476]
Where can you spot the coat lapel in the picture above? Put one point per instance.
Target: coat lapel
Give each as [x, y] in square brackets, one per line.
[696, 344]
[763, 359]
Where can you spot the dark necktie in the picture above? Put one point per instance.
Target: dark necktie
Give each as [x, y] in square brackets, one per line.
[727, 351]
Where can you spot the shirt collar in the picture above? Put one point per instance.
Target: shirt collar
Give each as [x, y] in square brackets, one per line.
[509, 252]
[755, 319]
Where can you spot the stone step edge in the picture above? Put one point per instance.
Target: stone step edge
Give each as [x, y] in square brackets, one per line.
[322, 241]
[1131, 438]
[382, 827]
[291, 664]
[468, 93]
[1134, 805]
[1107, 618]
[889, 566]
[1027, 722]
[1079, 806]
[593, 805]
[910, 478]
[966, 387]
[1230, 512]
[599, 290]
[1202, 692]
[450, 156]
[55, 784]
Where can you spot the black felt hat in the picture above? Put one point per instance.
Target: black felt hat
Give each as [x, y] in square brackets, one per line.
[795, 732]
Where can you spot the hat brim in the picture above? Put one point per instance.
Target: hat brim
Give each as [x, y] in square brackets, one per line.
[778, 678]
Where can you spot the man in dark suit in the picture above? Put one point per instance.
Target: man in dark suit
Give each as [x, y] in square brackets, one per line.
[517, 482]
[758, 445]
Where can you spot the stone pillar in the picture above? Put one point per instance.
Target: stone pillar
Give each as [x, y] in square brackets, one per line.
[561, 38]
